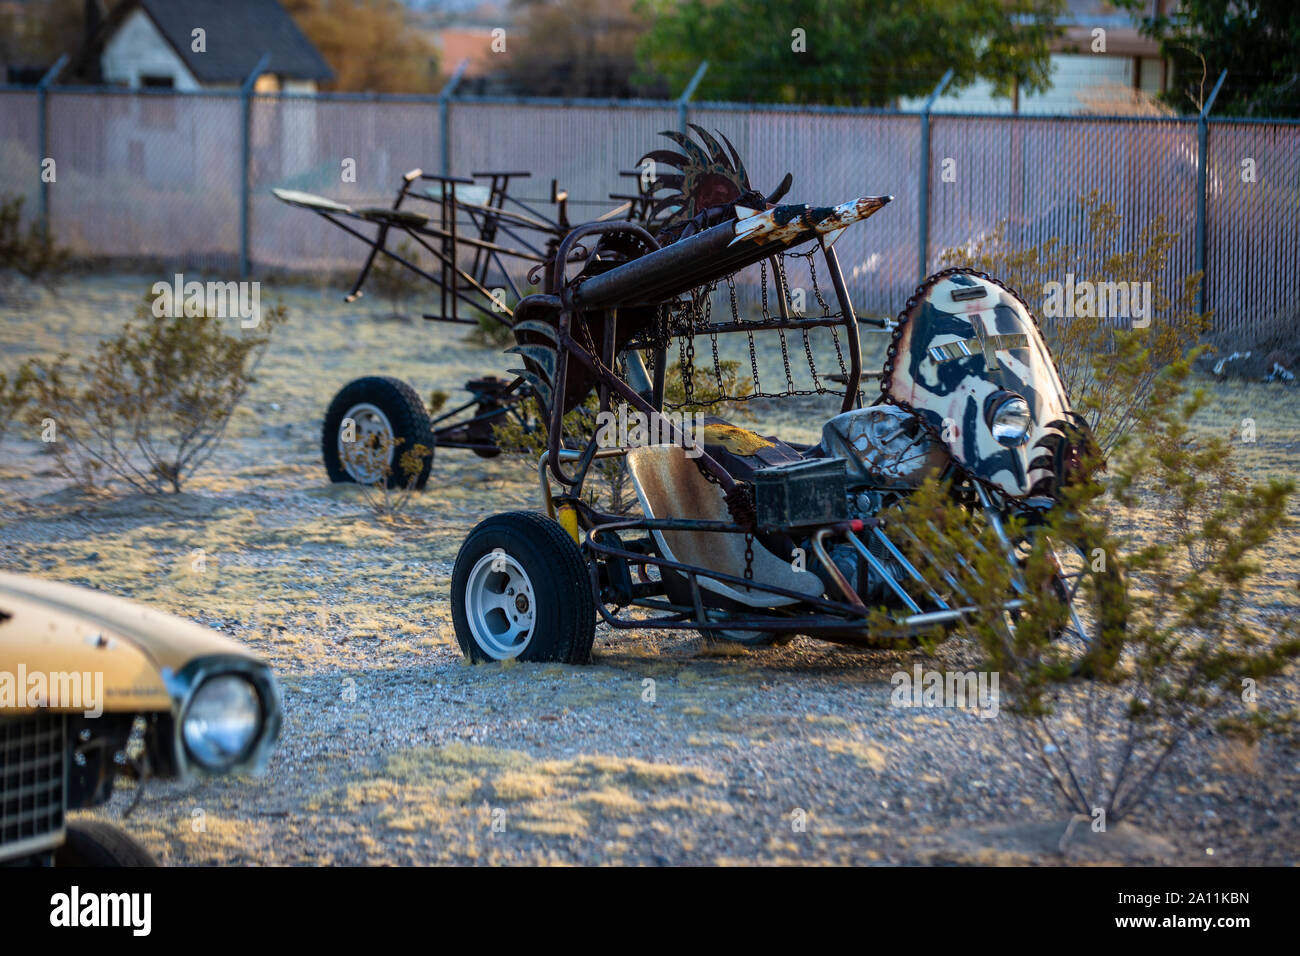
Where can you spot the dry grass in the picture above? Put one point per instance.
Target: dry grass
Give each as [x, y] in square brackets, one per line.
[301, 572]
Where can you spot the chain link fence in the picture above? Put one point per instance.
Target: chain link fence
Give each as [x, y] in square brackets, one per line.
[185, 178]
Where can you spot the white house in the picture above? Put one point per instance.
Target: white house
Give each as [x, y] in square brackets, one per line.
[194, 45]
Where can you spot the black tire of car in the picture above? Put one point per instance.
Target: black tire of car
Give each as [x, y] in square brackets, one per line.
[405, 411]
[93, 843]
[566, 610]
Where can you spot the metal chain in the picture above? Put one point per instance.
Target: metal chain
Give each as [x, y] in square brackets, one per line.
[785, 346]
[826, 311]
[688, 353]
[713, 340]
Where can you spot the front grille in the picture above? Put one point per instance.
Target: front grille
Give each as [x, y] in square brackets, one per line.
[32, 767]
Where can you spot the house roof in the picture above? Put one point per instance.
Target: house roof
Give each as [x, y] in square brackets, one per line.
[238, 33]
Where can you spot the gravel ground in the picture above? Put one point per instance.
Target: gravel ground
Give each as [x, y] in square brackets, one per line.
[664, 751]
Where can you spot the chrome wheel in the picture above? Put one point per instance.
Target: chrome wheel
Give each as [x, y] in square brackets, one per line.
[500, 605]
[368, 456]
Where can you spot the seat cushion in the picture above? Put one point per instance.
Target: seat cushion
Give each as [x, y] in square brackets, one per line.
[741, 451]
[670, 485]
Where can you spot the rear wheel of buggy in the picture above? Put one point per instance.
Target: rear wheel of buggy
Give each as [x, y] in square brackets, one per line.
[370, 414]
[1090, 585]
[521, 589]
[753, 638]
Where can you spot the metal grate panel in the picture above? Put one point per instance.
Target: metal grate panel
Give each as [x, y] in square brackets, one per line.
[32, 780]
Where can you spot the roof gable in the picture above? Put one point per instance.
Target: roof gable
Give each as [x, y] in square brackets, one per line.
[237, 32]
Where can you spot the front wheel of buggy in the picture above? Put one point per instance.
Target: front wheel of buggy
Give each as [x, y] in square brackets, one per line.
[521, 590]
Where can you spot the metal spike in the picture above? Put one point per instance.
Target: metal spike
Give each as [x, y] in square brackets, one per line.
[719, 154]
[696, 151]
[665, 156]
[540, 354]
[543, 389]
[535, 325]
[740, 167]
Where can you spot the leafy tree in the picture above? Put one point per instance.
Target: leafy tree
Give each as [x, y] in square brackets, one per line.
[577, 48]
[852, 52]
[35, 33]
[369, 44]
[1254, 40]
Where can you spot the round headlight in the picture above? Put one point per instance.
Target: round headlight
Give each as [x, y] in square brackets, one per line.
[1011, 420]
[221, 721]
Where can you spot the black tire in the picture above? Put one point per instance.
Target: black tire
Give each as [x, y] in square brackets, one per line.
[564, 610]
[94, 843]
[753, 638]
[405, 411]
[1105, 602]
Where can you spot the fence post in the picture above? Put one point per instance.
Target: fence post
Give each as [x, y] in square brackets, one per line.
[43, 134]
[245, 157]
[444, 115]
[923, 196]
[1202, 186]
[685, 98]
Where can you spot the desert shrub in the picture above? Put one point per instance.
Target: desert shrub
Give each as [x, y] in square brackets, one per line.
[611, 487]
[375, 456]
[1109, 403]
[1166, 557]
[14, 392]
[152, 403]
[393, 281]
[490, 333]
[30, 253]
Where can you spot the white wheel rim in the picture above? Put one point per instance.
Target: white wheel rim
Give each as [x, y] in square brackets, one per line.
[362, 458]
[500, 605]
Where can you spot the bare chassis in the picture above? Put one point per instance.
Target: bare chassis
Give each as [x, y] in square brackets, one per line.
[848, 620]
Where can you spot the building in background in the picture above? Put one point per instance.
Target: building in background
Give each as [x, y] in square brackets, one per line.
[1123, 76]
[153, 44]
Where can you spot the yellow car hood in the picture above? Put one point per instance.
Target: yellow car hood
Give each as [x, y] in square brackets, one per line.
[49, 627]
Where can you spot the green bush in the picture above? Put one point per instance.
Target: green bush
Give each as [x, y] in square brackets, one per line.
[30, 253]
[1165, 556]
[152, 403]
[1108, 402]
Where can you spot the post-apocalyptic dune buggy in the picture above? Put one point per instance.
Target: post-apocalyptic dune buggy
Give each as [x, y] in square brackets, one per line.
[741, 535]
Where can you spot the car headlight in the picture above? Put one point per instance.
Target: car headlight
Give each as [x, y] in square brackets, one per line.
[1010, 420]
[221, 721]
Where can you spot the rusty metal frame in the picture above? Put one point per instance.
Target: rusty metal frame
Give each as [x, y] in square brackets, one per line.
[828, 615]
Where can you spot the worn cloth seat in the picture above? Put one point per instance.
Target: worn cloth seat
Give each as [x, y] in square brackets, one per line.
[669, 484]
